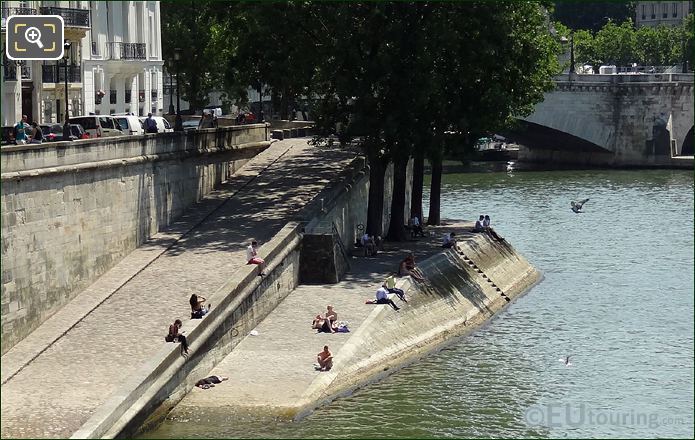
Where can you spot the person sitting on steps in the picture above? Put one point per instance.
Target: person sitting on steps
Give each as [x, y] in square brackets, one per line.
[407, 268]
[175, 335]
[479, 224]
[197, 308]
[383, 298]
[390, 284]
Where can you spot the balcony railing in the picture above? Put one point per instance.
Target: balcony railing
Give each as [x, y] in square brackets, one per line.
[50, 73]
[6, 12]
[10, 71]
[117, 50]
[71, 17]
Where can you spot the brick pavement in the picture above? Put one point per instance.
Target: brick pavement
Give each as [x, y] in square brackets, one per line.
[54, 379]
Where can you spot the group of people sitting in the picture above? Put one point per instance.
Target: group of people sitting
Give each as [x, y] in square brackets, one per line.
[415, 227]
[326, 323]
[483, 225]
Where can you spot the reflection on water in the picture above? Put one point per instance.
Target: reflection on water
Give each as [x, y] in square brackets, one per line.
[617, 296]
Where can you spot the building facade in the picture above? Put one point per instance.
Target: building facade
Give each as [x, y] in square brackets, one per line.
[653, 14]
[114, 63]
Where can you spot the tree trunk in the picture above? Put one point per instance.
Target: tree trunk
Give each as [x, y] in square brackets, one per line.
[435, 192]
[375, 207]
[397, 221]
[418, 180]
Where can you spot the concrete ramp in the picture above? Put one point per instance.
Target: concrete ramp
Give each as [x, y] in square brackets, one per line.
[272, 374]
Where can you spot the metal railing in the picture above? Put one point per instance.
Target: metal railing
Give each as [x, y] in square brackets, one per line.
[51, 73]
[117, 50]
[10, 71]
[72, 17]
[6, 12]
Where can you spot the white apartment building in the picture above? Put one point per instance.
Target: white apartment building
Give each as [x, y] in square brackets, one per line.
[114, 63]
[653, 14]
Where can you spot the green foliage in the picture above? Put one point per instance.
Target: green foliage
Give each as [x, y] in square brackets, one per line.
[191, 26]
[623, 44]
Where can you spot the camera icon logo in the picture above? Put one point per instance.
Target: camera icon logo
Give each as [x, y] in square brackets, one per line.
[34, 37]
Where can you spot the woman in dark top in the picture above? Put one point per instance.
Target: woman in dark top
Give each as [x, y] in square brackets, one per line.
[37, 137]
[175, 335]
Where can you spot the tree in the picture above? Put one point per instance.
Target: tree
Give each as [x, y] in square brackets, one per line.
[616, 44]
[191, 26]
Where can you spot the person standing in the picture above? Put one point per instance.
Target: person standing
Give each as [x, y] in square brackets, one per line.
[150, 124]
[20, 131]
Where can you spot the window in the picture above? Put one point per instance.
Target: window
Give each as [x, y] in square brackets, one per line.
[674, 9]
[644, 12]
[128, 94]
[166, 124]
[664, 10]
[86, 123]
[653, 11]
[123, 122]
[112, 96]
[105, 122]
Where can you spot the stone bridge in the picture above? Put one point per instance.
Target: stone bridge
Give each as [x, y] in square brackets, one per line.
[614, 120]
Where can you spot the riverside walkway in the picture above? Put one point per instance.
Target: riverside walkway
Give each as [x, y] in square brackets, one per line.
[271, 374]
[53, 380]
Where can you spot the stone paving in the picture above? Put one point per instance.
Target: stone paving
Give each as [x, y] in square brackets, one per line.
[53, 380]
[270, 372]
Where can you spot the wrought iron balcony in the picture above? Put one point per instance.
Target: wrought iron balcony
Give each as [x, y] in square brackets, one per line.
[50, 73]
[117, 50]
[6, 12]
[10, 70]
[71, 17]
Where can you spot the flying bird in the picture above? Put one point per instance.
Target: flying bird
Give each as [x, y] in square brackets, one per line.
[577, 206]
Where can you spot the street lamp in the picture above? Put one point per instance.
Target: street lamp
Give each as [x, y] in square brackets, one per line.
[171, 90]
[66, 125]
[178, 123]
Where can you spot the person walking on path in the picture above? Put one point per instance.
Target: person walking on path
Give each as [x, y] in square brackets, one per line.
[150, 124]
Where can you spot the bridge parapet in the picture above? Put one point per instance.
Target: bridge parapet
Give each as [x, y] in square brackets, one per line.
[626, 78]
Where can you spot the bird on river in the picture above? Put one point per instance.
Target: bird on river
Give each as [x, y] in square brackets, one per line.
[577, 206]
[566, 361]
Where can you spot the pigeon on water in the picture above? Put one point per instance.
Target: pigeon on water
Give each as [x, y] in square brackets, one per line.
[577, 206]
[566, 361]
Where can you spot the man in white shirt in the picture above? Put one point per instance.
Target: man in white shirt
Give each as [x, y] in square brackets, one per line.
[382, 297]
[449, 240]
[252, 256]
[416, 227]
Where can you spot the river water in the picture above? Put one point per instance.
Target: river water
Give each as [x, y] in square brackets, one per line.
[617, 297]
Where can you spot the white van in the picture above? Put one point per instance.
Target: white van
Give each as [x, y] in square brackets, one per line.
[163, 125]
[98, 125]
[130, 124]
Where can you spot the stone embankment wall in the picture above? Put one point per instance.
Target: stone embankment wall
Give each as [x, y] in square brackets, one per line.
[72, 210]
[460, 295]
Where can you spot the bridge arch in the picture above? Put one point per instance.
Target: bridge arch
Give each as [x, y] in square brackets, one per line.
[687, 147]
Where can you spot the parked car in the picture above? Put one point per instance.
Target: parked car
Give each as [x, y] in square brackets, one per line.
[54, 132]
[8, 135]
[98, 125]
[130, 124]
[163, 125]
[191, 125]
